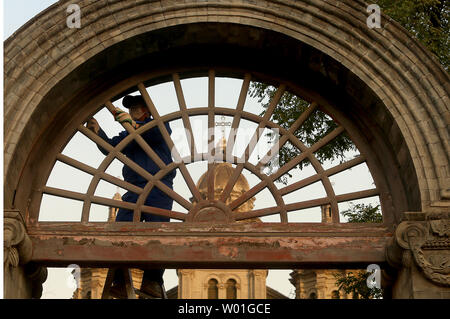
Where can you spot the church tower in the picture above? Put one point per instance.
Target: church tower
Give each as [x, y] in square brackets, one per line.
[112, 211]
[326, 213]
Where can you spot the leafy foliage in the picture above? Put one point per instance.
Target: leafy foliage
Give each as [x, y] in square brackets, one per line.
[313, 129]
[356, 285]
[361, 213]
[426, 20]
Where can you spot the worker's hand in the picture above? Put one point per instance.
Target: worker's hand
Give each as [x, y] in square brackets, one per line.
[92, 124]
[121, 117]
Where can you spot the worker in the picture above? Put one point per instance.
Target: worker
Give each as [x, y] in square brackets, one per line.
[139, 115]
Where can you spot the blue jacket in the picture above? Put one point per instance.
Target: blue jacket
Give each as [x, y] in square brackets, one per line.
[134, 152]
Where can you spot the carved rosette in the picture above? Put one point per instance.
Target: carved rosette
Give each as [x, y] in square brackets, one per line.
[425, 238]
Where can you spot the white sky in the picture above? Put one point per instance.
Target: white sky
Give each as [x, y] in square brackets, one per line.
[17, 12]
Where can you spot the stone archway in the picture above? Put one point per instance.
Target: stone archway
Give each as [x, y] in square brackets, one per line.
[380, 82]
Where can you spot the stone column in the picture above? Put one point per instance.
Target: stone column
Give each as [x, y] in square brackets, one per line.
[260, 290]
[21, 279]
[222, 290]
[295, 282]
[305, 283]
[185, 283]
[420, 250]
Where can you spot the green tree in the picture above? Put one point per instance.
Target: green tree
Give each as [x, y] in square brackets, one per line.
[426, 20]
[310, 132]
[361, 213]
[356, 283]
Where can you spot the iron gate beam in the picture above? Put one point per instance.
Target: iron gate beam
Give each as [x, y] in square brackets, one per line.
[183, 245]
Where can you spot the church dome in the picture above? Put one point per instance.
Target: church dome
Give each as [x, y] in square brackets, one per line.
[222, 174]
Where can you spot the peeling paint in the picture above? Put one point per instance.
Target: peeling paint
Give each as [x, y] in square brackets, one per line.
[230, 252]
[205, 246]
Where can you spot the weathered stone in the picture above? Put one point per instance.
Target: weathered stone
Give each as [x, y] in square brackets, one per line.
[21, 279]
[424, 257]
[405, 135]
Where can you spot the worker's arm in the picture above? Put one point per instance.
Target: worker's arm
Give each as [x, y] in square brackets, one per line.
[154, 136]
[93, 125]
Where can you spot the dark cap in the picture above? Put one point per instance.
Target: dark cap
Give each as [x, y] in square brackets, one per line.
[132, 100]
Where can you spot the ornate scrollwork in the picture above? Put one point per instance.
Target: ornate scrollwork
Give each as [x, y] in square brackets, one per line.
[10, 256]
[16, 243]
[440, 227]
[17, 251]
[429, 243]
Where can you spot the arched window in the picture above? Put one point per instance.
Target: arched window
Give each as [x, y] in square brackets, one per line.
[312, 295]
[213, 289]
[231, 289]
[335, 294]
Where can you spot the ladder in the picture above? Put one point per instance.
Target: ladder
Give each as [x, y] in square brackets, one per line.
[130, 291]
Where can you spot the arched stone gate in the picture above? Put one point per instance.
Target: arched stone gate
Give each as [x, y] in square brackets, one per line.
[381, 85]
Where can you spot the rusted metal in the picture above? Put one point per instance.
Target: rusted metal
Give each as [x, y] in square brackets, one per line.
[253, 141]
[284, 138]
[211, 133]
[188, 130]
[232, 136]
[266, 181]
[186, 175]
[212, 234]
[190, 245]
[236, 120]
[103, 175]
[314, 178]
[114, 152]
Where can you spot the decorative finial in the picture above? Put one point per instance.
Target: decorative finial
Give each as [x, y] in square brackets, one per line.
[222, 145]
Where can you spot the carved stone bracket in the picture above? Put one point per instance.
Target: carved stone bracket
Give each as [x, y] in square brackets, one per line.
[17, 248]
[17, 252]
[425, 239]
